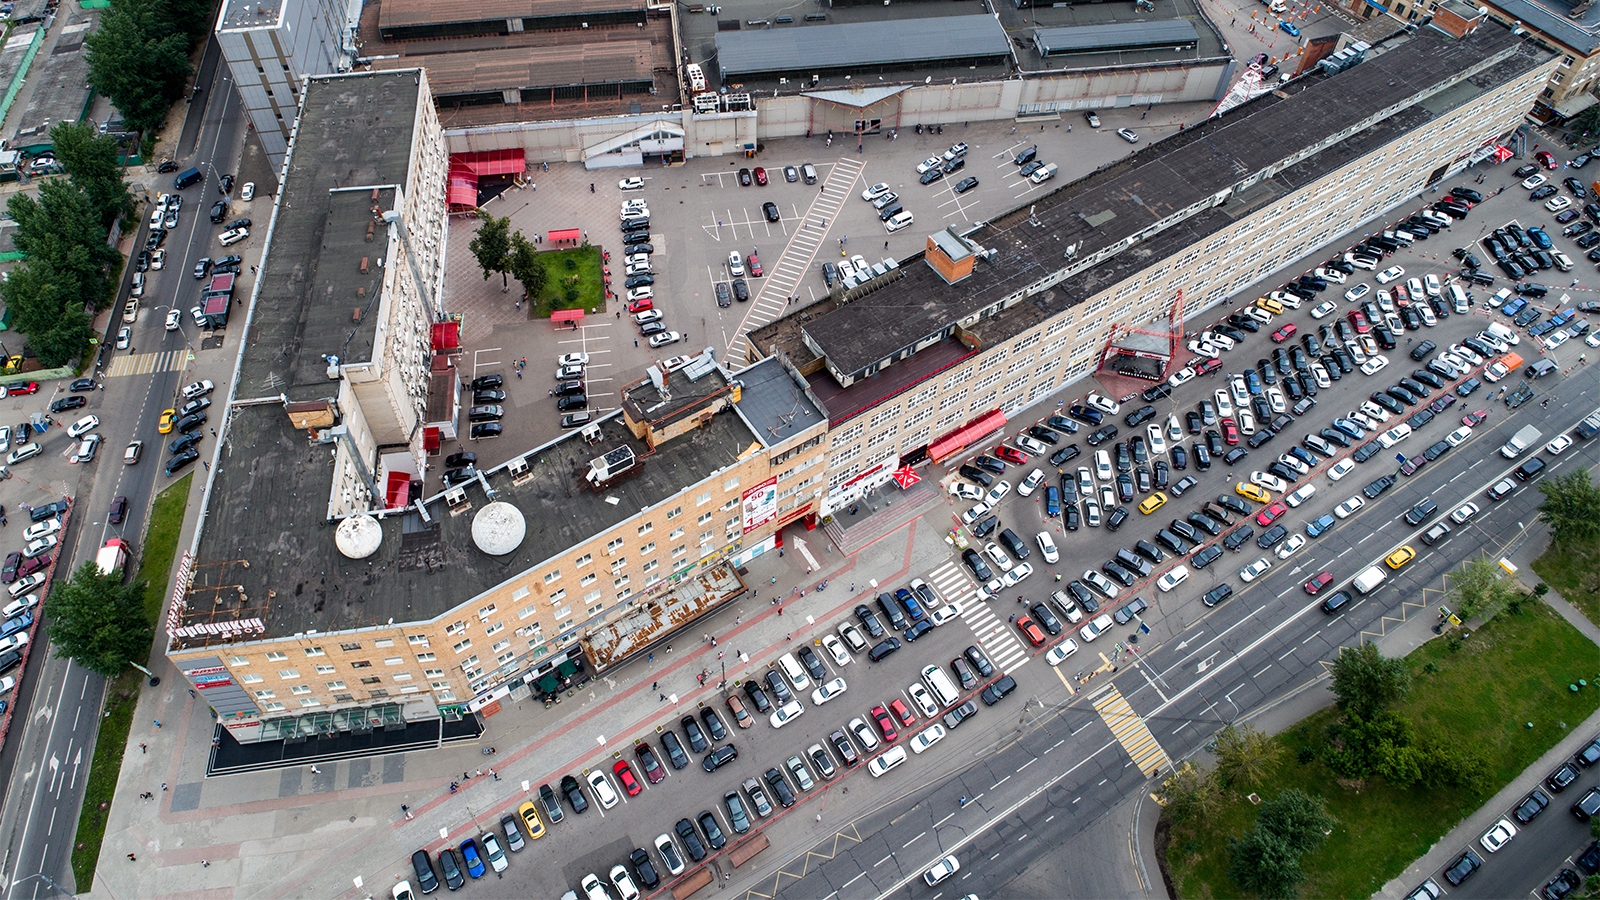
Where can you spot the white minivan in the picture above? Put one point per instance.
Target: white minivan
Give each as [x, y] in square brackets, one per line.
[944, 690]
[880, 765]
[791, 668]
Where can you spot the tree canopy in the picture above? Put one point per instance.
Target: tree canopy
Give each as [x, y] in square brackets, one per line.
[139, 57]
[1246, 755]
[98, 621]
[91, 160]
[491, 245]
[1365, 681]
[1571, 507]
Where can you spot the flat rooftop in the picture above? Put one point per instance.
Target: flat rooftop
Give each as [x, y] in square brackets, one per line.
[59, 80]
[1159, 180]
[239, 14]
[414, 13]
[522, 68]
[871, 46]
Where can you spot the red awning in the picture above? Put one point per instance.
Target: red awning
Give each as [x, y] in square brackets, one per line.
[399, 493]
[964, 436]
[446, 336]
[430, 439]
[492, 162]
[566, 315]
[463, 189]
[566, 234]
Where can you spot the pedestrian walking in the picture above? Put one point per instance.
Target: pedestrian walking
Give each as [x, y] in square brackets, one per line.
[158, 723]
[780, 609]
[655, 685]
[652, 657]
[132, 858]
[163, 787]
[191, 692]
[636, 342]
[315, 770]
[478, 773]
[205, 863]
[406, 809]
[213, 432]
[143, 749]
[886, 246]
[495, 774]
[591, 187]
[663, 698]
[206, 464]
[789, 637]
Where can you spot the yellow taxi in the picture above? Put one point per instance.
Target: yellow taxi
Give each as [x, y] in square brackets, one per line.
[1400, 557]
[1152, 503]
[1254, 493]
[168, 416]
[530, 818]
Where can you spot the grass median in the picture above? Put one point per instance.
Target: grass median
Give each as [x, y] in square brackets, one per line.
[122, 694]
[1574, 573]
[1483, 692]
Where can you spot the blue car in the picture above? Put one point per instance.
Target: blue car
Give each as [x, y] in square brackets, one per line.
[1289, 27]
[1540, 237]
[469, 855]
[913, 609]
[1514, 306]
[1315, 529]
[1052, 501]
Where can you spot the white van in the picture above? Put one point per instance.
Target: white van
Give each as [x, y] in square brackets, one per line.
[1458, 299]
[230, 238]
[943, 689]
[1043, 173]
[791, 668]
[898, 221]
[1502, 334]
[880, 765]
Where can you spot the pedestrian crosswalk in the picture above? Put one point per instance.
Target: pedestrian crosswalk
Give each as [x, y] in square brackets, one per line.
[1131, 732]
[146, 363]
[998, 638]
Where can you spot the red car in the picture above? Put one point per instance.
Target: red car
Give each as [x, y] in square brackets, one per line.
[1471, 419]
[1284, 333]
[1031, 631]
[1270, 514]
[1211, 364]
[898, 707]
[1358, 321]
[1318, 582]
[624, 774]
[752, 263]
[1230, 432]
[761, 175]
[1011, 454]
[885, 724]
[1545, 159]
[641, 305]
[649, 763]
[29, 387]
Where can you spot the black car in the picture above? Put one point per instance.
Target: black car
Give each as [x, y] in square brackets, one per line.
[758, 697]
[1100, 436]
[697, 737]
[965, 184]
[574, 794]
[67, 403]
[422, 866]
[988, 462]
[236, 224]
[1531, 806]
[1217, 595]
[185, 442]
[843, 747]
[690, 839]
[1562, 778]
[1469, 861]
[182, 460]
[644, 868]
[979, 661]
[674, 748]
[719, 731]
[870, 622]
[719, 757]
[932, 175]
[741, 290]
[1206, 556]
[892, 612]
[1565, 882]
[778, 687]
[812, 663]
[973, 473]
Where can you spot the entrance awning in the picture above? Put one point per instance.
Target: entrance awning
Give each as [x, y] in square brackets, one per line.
[565, 234]
[566, 315]
[965, 435]
[1575, 104]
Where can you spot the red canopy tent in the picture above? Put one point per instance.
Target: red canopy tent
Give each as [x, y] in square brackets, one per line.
[567, 315]
[565, 235]
[467, 168]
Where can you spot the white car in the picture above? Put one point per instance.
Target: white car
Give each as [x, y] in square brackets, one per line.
[1094, 629]
[1324, 309]
[1340, 469]
[1464, 514]
[1394, 435]
[1031, 483]
[898, 221]
[649, 315]
[1498, 836]
[1556, 340]
[1374, 365]
[1100, 583]
[1174, 428]
[974, 514]
[665, 338]
[1533, 181]
[1254, 570]
[1204, 348]
[927, 737]
[604, 793]
[863, 733]
[966, 490]
[948, 866]
[1032, 445]
[1557, 204]
[1288, 548]
[174, 319]
[1393, 273]
[1459, 436]
[1241, 394]
[827, 691]
[1560, 443]
[631, 184]
[1047, 546]
[1102, 466]
[573, 359]
[1466, 353]
[786, 713]
[1105, 404]
[43, 529]
[874, 192]
[1158, 441]
[1333, 275]
[735, 264]
[1361, 418]
[1000, 489]
[82, 426]
[923, 700]
[620, 879]
[1131, 137]
[835, 648]
[1223, 403]
[674, 860]
[997, 556]
[1375, 412]
[932, 162]
[1279, 403]
[1017, 573]
[1058, 654]
[1357, 292]
[1293, 462]
[1172, 578]
[1360, 262]
[1299, 495]
[1270, 482]
[1221, 340]
[593, 887]
[248, 192]
[1186, 374]
[1348, 508]
[944, 613]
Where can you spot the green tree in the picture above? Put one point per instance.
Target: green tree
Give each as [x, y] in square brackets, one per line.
[1586, 123]
[61, 231]
[91, 159]
[1245, 755]
[1301, 820]
[1264, 864]
[1365, 681]
[492, 245]
[1480, 587]
[98, 621]
[1192, 794]
[64, 340]
[138, 61]
[1383, 744]
[1571, 508]
[526, 266]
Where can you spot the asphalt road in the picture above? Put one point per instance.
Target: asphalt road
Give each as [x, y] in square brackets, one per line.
[46, 759]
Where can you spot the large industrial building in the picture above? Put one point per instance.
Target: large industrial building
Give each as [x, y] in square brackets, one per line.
[318, 601]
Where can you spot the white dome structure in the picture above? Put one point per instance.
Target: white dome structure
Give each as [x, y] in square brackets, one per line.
[358, 537]
[498, 529]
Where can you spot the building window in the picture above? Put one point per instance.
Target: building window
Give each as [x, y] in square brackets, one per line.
[275, 656]
[325, 670]
[555, 598]
[417, 640]
[646, 528]
[300, 689]
[251, 679]
[265, 695]
[425, 657]
[462, 646]
[486, 612]
[238, 661]
[674, 513]
[552, 575]
[394, 661]
[350, 647]
[703, 498]
[288, 673]
[587, 580]
[373, 679]
[383, 643]
[361, 664]
[455, 628]
[315, 651]
[335, 685]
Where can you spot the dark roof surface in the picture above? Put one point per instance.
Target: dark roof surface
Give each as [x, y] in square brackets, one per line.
[1091, 38]
[1551, 22]
[1107, 207]
[860, 44]
[401, 13]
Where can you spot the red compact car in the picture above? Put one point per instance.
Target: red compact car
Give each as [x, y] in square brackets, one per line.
[1212, 364]
[898, 707]
[754, 265]
[27, 387]
[761, 175]
[885, 724]
[1358, 321]
[1230, 432]
[1318, 582]
[1031, 631]
[1284, 333]
[624, 774]
[1011, 454]
[1471, 419]
[641, 305]
[1545, 159]
[1270, 514]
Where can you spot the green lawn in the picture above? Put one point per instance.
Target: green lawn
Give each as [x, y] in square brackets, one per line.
[1511, 672]
[585, 276]
[1575, 575]
[122, 694]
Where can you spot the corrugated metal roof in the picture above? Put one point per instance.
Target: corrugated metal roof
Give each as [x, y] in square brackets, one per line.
[1093, 38]
[403, 13]
[1557, 26]
[480, 71]
[860, 44]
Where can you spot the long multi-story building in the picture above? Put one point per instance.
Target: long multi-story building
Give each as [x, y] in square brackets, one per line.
[313, 602]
